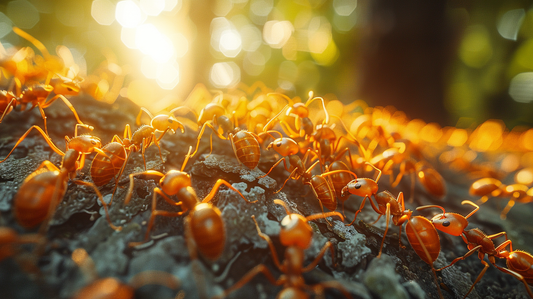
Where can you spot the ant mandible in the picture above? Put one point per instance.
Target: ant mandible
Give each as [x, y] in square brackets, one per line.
[296, 235]
[519, 262]
[205, 226]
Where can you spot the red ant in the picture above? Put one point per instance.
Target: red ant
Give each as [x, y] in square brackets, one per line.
[296, 235]
[518, 262]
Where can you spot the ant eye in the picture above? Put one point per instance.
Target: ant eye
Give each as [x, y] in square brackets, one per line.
[278, 144]
[446, 223]
[69, 89]
[170, 121]
[93, 142]
[357, 185]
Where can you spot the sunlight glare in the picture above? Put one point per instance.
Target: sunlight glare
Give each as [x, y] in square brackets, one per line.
[128, 14]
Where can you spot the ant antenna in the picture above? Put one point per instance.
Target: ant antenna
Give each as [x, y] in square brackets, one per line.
[434, 206]
[284, 205]
[323, 106]
[472, 204]
[324, 215]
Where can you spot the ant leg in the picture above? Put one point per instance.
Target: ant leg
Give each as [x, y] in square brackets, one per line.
[469, 253]
[7, 110]
[270, 244]
[138, 118]
[483, 199]
[251, 274]
[387, 214]
[507, 208]
[505, 244]
[82, 162]
[478, 277]
[275, 164]
[359, 211]
[413, 182]
[67, 102]
[100, 198]
[201, 133]
[290, 176]
[130, 189]
[156, 212]
[46, 138]
[215, 189]
[49, 165]
[517, 276]
[379, 217]
[313, 264]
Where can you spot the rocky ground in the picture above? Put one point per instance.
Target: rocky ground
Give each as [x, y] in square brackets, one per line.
[79, 223]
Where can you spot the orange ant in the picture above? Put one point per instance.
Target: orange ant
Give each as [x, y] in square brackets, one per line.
[296, 235]
[245, 144]
[519, 262]
[492, 187]
[111, 287]
[37, 95]
[300, 113]
[321, 187]
[205, 226]
[9, 240]
[42, 190]
[83, 144]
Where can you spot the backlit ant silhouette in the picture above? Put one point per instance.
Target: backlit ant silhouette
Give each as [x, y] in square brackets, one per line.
[519, 263]
[296, 235]
[487, 187]
[37, 95]
[245, 144]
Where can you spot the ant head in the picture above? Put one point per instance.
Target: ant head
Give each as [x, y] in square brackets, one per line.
[174, 181]
[162, 122]
[284, 146]
[299, 109]
[361, 187]
[450, 223]
[295, 231]
[67, 88]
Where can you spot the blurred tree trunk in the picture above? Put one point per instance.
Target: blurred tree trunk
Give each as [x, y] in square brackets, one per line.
[406, 47]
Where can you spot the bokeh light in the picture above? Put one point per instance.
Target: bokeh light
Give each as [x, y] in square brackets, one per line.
[102, 12]
[23, 13]
[225, 74]
[128, 14]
